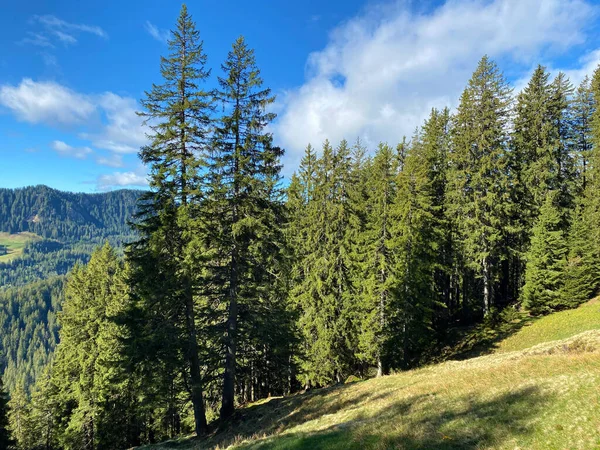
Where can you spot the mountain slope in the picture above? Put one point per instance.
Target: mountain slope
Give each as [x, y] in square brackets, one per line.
[71, 225]
[542, 397]
[44, 233]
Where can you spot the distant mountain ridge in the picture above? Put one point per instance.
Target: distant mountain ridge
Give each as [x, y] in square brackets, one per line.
[66, 216]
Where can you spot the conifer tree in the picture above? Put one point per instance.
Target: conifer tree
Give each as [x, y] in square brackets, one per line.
[19, 417]
[243, 211]
[325, 296]
[88, 357]
[582, 269]
[5, 438]
[582, 109]
[478, 181]
[377, 274]
[165, 279]
[546, 260]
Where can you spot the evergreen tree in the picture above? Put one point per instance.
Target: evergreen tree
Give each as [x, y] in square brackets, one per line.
[85, 369]
[243, 208]
[583, 108]
[19, 417]
[377, 275]
[545, 260]
[325, 296]
[479, 194]
[582, 269]
[163, 271]
[5, 437]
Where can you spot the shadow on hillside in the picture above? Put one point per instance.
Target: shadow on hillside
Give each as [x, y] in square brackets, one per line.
[405, 425]
[482, 339]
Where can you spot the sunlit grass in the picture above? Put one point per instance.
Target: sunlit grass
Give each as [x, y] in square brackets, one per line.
[543, 397]
[555, 326]
[15, 243]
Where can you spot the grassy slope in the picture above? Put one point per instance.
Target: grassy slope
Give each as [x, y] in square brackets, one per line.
[535, 392]
[15, 244]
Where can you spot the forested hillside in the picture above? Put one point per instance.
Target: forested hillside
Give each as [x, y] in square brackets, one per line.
[237, 287]
[67, 227]
[70, 225]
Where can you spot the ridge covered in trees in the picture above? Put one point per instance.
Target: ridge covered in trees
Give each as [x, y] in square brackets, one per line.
[236, 288]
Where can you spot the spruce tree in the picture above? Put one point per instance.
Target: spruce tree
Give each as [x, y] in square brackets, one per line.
[582, 269]
[582, 109]
[243, 210]
[164, 276]
[325, 296]
[5, 437]
[479, 193]
[20, 417]
[546, 260]
[377, 275]
[86, 365]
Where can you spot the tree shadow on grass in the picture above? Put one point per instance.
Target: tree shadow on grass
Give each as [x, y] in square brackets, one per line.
[469, 342]
[467, 423]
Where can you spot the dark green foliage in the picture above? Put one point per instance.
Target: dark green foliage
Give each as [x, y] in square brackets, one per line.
[546, 260]
[582, 269]
[164, 308]
[242, 218]
[91, 391]
[479, 185]
[58, 215]
[28, 330]
[5, 437]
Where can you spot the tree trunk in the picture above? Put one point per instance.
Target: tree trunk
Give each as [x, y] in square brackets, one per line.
[227, 405]
[486, 286]
[200, 425]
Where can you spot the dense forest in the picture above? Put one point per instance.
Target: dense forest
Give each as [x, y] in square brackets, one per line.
[31, 285]
[71, 226]
[238, 286]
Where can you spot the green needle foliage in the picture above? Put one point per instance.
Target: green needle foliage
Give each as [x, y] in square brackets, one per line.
[5, 436]
[164, 311]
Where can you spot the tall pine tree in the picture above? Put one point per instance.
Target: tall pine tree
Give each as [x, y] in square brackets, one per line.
[164, 275]
[478, 180]
[243, 209]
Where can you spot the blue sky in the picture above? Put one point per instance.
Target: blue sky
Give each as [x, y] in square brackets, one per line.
[71, 72]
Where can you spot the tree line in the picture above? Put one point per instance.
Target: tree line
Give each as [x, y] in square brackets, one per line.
[239, 288]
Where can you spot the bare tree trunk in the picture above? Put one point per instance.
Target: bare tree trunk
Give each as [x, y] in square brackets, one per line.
[486, 286]
[195, 378]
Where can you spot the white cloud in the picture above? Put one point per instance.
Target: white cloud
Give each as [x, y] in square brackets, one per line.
[54, 25]
[114, 160]
[64, 149]
[124, 131]
[107, 120]
[159, 35]
[121, 180]
[64, 37]
[46, 102]
[37, 39]
[381, 73]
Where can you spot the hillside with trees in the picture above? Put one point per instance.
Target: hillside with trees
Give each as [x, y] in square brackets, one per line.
[238, 285]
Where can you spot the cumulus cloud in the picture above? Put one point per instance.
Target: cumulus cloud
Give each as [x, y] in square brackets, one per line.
[65, 149]
[124, 131]
[46, 102]
[381, 73]
[159, 35]
[121, 179]
[114, 124]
